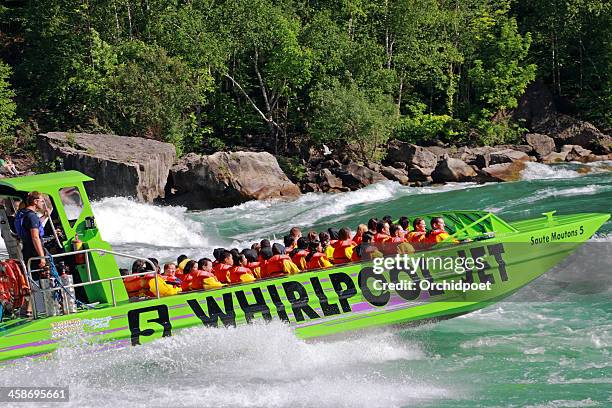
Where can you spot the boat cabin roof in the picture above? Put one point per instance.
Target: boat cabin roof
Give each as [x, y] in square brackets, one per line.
[49, 180]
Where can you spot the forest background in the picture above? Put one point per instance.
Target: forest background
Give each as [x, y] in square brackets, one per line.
[285, 75]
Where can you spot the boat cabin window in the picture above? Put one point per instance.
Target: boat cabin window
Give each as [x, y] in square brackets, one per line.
[73, 203]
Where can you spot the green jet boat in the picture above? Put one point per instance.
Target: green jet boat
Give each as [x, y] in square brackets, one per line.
[315, 303]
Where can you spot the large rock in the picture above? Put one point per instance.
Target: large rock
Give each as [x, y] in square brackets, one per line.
[411, 154]
[121, 166]
[328, 181]
[554, 157]
[541, 144]
[508, 156]
[576, 153]
[451, 169]
[502, 172]
[355, 176]
[586, 135]
[417, 173]
[224, 179]
[536, 106]
[394, 174]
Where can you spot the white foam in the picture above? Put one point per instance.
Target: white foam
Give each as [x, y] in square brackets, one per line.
[122, 220]
[539, 171]
[254, 365]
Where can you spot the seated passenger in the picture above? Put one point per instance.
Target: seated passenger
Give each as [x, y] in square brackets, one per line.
[221, 270]
[298, 255]
[164, 287]
[279, 264]
[313, 236]
[289, 242]
[343, 248]
[328, 250]
[372, 223]
[404, 224]
[179, 261]
[366, 250]
[418, 232]
[388, 220]
[382, 233]
[239, 273]
[438, 232]
[395, 234]
[263, 244]
[169, 274]
[137, 285]
[252, 262]
[333, 236]
[316, 259]
[295, 234]
[359, 234]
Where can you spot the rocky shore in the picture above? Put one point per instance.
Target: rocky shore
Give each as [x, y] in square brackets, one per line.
[149, 170]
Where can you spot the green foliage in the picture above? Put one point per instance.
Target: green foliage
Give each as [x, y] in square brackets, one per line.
[419, 127]
[347, 118]
[292, 167]
[8, 120]
[208, 75]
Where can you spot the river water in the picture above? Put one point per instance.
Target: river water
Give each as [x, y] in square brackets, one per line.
[549, 345]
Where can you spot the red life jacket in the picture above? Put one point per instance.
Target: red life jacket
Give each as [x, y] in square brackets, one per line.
[415, 236]
[197, 278]
[186, 280]
[255, 267]
[380, 237]
[299, 260]
[274, 266]
[236, 272]
[435, 236]
[317, 260]
[221, 271]
[137, 286]
[357, 239]
[340, 248]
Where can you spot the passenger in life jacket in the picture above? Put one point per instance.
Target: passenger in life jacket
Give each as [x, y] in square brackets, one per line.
[333, 236]
[389, 246]
[382, 233]
[361, 229]
[366, 250]
[312, 236]
[252, 262]
[295, 233]
[328, 250]
[137, 286]
[404, 224]
[221, 269]
[279, 264]
[438, 232]
[289, 243]
[298, 255]
[316, 259]
[265, 243]
[372, 223]
[203, 276]
[240, 273]
[179, 261]
[417, 235]
[169, 274]
[343, 248]
[395, 234]
[388, 220]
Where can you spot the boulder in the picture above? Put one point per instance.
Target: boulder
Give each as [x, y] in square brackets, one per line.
[482, 160]
[311, 188]
[328, 181]
[521, 148]
[121, 166]
[584, 134]
[554, 157]
[417, 173]
[394, 174]
[224, 179]
[439, 151]
[541, 144]
[502, 172]
[356, 176]
[508, 156]
[451, 169]
[536, 106]
[399, 165]
[576, 153]
[411, 154]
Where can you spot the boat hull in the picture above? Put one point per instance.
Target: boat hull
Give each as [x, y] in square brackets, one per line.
[323, 302]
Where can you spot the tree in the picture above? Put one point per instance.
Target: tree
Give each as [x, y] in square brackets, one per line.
[347, 119]
[8, 120]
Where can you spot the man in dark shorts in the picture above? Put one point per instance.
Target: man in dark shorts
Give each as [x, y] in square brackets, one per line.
[32, 242]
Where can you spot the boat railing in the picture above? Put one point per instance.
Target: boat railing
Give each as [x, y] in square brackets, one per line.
[90, 281]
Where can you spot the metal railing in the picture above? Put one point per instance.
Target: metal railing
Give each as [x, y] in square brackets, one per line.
[89, 282]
